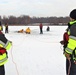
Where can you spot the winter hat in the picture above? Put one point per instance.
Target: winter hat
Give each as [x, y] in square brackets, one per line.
[73, 14]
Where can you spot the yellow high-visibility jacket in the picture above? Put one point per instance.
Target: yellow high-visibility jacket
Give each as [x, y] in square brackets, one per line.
[71, 46]
[28, 30]
[1, 28]
[6, 44]
[21, 31]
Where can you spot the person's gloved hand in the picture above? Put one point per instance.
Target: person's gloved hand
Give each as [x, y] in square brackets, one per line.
[11, 42]
[62, 42]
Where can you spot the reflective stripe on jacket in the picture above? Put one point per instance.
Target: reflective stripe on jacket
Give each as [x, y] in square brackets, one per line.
[69, 25]
[3, 59]
[4, 42]
[71, 46]
[6, 45]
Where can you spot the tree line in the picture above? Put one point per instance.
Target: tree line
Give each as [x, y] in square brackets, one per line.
[25, 20]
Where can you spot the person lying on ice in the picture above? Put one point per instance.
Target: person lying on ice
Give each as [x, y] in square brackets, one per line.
[21, 31]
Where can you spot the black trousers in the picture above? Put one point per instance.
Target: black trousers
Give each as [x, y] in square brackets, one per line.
[73, 68]
[6, 30]
[67, 66]
[2, 70]
[41, 31]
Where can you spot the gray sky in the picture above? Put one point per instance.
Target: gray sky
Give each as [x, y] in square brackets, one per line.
[38, 8]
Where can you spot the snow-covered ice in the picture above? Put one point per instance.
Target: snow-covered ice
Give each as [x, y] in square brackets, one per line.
[36, 54]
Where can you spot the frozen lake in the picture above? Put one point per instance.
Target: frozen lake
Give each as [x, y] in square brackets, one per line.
[36, 54]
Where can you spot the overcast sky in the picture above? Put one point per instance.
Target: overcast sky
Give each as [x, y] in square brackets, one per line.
[38, 8]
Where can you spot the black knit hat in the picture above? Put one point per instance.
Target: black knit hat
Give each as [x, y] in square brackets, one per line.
[73, 14]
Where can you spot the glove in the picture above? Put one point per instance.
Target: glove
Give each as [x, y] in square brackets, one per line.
[62, 42]
[11, 42]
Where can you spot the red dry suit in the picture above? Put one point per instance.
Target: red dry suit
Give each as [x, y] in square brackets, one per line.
[65, 38]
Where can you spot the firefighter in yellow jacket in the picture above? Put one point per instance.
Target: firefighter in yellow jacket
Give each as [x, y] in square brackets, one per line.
[21, 31]
[28, 31]
[5, 45]
[70, 50]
